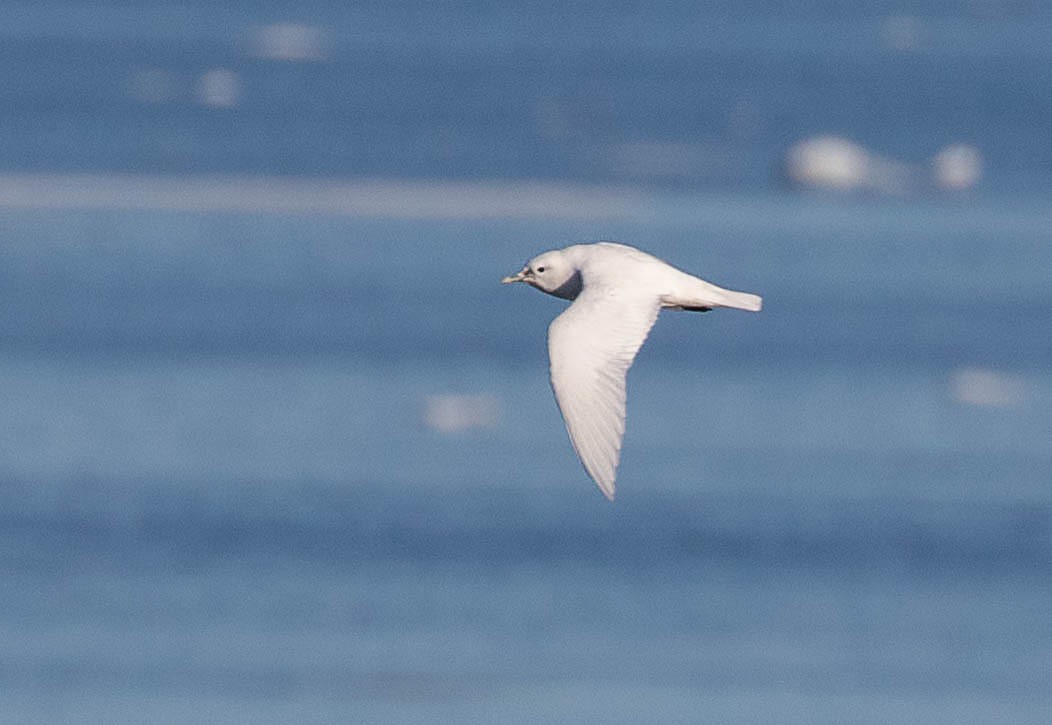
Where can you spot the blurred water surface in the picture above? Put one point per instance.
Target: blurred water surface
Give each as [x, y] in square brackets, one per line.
[223, 497]
[264, 460]
[670, 93]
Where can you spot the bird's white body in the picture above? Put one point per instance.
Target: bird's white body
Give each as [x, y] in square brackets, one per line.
[618, 292]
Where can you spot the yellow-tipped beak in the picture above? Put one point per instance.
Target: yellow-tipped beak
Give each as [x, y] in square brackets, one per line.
[517, 277]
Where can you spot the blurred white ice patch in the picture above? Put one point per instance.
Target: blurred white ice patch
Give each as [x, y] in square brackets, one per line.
[838, 164]
[901, 32]
[985, 388]
[219, 88]
[450, 413]
[289, 42]
[827, 162]
[831, 162]
[957, 167]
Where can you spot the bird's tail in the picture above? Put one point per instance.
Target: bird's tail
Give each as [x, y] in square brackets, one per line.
[692, 293]
[741, 300]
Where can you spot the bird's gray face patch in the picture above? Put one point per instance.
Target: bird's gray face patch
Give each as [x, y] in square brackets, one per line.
[553, 273]
[569, 289]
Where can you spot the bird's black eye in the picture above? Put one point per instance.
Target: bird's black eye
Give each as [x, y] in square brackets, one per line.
[540, 270]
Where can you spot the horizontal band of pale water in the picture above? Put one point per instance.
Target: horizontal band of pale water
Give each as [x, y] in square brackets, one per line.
[301, 195]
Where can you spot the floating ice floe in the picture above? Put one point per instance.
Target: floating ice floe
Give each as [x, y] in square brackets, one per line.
[831, 162]
[837, 164]
[985, 388]
[219, 88]
[957, 167]
[289, 42]
[901, 32]
[449, 413]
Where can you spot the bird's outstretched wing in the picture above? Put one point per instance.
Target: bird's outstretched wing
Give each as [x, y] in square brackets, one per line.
[591, 346]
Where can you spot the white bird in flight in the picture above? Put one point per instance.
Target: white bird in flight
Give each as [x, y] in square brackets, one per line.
[617, 292]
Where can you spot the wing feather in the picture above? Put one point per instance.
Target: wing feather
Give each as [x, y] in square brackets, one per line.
[590, 347]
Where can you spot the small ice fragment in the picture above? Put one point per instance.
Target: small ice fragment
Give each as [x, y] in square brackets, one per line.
[985, 388]
[450, 413]
[289, 42]
[828, 162]
[957, 167]
[219, 88]
[901, 32]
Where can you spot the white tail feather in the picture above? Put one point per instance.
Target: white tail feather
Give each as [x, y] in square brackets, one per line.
[742, 301]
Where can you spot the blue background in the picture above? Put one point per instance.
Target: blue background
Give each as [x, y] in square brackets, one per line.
[251, 259]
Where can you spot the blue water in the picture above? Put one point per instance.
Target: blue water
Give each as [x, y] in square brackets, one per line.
[222, 498]
[667, 93]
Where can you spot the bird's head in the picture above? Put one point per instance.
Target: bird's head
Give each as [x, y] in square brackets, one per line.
[551, 272]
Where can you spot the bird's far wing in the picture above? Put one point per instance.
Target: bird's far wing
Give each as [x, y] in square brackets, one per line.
[591, 346]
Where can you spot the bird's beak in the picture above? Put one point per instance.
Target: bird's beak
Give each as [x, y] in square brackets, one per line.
[519, 276]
